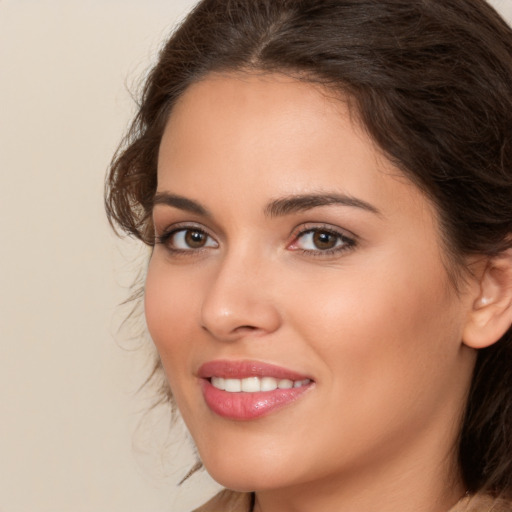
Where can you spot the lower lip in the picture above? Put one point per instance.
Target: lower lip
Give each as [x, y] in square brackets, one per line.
[248, 406]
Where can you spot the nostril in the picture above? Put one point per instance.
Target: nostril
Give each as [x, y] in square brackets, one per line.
[230, 319]
[231, 334]
[245, 329]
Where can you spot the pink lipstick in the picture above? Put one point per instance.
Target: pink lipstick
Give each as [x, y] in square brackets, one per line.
[245, 390]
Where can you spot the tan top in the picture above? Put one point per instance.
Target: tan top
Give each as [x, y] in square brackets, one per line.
[241, 503]
[482, 503]
[227, 501]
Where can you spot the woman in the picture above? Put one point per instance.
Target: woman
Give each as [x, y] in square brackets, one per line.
[327, 190]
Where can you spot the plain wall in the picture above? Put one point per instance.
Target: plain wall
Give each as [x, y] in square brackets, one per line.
[69, 411]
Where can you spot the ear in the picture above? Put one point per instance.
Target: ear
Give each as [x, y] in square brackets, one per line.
[491, 314]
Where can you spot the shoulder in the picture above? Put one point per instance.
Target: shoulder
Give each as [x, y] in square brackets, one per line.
[482, 503]
[227, 501]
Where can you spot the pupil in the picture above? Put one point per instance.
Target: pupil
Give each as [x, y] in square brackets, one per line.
[195, 239]
[324, 240]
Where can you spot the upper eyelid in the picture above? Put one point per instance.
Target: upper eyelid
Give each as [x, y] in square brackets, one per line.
[163, 223]
[178, 226]
[308, 227]
[297, 231]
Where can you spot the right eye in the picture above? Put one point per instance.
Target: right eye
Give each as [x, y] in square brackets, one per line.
[187, 239]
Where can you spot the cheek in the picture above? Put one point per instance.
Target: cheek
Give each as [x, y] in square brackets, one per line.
[170, 313]
[387, 352]
[169, 307]
[385, 322]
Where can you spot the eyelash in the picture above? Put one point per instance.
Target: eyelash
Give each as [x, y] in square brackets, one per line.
[166, 236]
[347, 243]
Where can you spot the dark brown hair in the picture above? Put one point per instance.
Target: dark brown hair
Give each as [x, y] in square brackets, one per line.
[431, 82]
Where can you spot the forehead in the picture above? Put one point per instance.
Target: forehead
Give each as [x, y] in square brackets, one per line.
[242, 105]
[252, 135]
[276, 124]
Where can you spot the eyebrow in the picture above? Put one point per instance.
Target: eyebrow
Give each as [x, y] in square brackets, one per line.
[180, 202]
[299, 203]
[276, 208]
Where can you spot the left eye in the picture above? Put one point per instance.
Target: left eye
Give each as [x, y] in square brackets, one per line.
[190, 239]
[320, 240]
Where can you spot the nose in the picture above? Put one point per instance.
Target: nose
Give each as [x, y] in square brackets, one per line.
[239, 301]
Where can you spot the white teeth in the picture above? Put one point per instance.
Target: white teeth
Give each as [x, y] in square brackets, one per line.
[255, 384]
[233, 385]
[268, 384]
[251, 385]
[219, 383]
[285, 384]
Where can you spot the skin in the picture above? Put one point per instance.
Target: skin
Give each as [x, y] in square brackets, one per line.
[377, 323]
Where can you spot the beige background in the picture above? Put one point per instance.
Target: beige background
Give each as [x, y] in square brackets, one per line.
[69, 411]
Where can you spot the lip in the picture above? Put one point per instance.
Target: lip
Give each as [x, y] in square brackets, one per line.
[243, 369]
[248, 406]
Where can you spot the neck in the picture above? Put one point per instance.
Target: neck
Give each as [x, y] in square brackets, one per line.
[425, 483]
[385, 499]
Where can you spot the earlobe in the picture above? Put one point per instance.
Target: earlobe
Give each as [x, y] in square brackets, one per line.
[491, 314]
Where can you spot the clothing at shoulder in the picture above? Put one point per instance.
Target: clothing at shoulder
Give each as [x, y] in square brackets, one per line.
[482, 503]
[228, 501]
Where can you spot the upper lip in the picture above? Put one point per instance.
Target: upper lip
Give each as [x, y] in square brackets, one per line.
[243, 369]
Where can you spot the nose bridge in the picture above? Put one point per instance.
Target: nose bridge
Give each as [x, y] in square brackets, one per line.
[239, 300]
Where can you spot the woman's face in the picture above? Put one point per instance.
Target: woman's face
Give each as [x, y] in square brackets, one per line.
[292, 253]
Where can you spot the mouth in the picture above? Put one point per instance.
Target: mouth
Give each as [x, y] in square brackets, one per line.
[246, 390]
[256, 384]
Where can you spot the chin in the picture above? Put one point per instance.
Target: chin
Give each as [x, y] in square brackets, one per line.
[249, 481]
[247, 473]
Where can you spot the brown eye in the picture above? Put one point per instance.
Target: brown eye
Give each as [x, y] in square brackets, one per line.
[195, 239]
[324, 240]
[189, 239]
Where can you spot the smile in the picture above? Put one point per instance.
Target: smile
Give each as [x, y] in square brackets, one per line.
[247, 390]
[256, 384]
